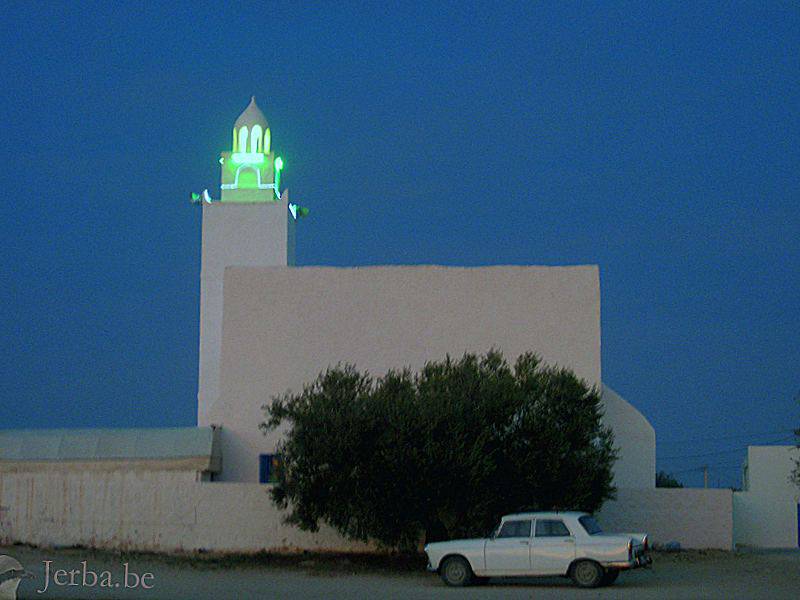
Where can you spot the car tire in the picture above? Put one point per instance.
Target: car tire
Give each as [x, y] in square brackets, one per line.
[455, 571]
[610, 577]
[587, 574]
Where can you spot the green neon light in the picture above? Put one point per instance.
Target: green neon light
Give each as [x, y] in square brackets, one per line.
[278, 167]
[248, 179]
[298, 211]
[247, 157]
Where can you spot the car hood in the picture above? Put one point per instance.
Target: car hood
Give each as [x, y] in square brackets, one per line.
[461, 544]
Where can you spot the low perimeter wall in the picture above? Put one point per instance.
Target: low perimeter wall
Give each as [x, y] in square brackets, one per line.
[766, 520]
[162, 511]
[695, 518]
[149, 511]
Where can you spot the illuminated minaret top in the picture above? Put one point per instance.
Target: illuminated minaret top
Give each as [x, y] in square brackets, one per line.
[250, 171]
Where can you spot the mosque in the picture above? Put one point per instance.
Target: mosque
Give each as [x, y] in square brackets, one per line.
[266, 327]
[377, 318]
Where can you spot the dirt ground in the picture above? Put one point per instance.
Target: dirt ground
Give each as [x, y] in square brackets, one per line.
[684, 575]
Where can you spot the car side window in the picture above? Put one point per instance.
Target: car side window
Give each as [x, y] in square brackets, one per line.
[551, 528]
[515, 529]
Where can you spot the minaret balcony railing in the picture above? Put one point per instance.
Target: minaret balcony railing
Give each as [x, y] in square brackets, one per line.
[248, 158]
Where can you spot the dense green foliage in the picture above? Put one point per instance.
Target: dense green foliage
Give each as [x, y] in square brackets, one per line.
[443, 453]
[667, 480]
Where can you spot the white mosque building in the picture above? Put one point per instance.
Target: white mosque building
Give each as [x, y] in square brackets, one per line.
[205, 487]
[377, 318]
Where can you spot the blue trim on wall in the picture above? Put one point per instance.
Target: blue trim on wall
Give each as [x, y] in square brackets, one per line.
[264, 463]
[268, 465]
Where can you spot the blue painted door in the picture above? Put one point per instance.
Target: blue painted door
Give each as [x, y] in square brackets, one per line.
[263, 468]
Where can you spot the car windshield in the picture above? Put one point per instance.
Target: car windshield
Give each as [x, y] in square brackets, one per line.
[590, 525]
[495, 530]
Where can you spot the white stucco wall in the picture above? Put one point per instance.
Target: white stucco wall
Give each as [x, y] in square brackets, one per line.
[693, 517]
[766, 512]
[635, 440]
[254, 234]
[148, 510]
[282, 326]
[167, 511]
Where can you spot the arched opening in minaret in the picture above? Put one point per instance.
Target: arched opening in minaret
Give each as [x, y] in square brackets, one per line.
[243, 139]
[248, 177]
[255, 139]
[266, 141]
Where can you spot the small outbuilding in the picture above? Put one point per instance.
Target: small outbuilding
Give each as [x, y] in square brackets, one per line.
[184, 453]
[80, 484]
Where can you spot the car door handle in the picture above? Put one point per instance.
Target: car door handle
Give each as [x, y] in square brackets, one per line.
[525, 543]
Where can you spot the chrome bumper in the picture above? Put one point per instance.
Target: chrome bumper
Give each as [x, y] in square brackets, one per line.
[639, 561]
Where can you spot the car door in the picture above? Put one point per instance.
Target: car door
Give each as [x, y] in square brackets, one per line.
[509, 551]
[552, 547]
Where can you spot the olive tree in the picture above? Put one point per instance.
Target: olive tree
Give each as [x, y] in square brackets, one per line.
[441, 453]
[667, 480]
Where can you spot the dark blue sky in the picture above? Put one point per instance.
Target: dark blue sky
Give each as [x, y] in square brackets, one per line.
[656, 140]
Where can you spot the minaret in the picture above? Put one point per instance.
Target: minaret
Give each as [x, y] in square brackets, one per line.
[250, 226]
[249, 170]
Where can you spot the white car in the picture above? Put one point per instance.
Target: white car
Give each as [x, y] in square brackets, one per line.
[541, 543]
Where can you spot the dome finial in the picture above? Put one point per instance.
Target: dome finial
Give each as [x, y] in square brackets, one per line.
[251, 115]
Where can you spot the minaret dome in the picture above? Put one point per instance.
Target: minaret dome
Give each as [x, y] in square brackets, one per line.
[251, 131]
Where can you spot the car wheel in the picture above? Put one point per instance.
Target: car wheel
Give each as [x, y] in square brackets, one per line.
[610, 577]
[456, 571]
[587, 574]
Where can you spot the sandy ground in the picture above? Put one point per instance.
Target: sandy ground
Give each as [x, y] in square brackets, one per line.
[685, 575]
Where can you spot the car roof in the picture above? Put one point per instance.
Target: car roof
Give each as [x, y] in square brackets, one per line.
[545, 514]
